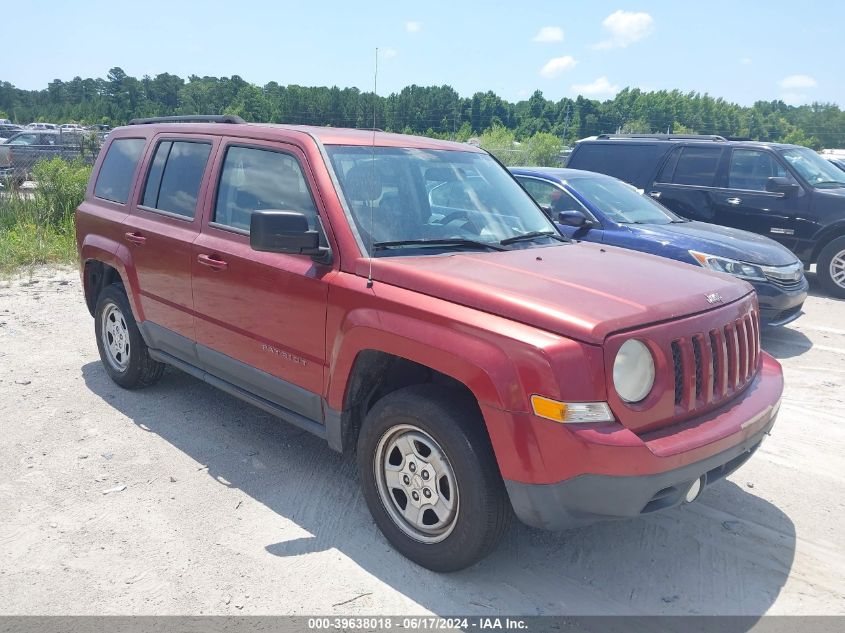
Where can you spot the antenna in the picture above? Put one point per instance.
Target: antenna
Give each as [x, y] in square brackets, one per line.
[373, 173]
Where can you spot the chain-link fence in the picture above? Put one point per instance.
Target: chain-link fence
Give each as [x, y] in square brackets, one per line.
[21, 152]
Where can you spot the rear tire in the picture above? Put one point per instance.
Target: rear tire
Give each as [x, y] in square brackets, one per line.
[830, 268]
[429, 443]
[122, 349]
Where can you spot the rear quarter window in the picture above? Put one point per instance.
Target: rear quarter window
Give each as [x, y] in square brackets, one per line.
[118, 169]
[632, 162]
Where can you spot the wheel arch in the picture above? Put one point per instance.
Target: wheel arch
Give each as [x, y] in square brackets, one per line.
[826, 237]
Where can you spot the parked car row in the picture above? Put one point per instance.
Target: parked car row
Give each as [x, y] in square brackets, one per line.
[406, 299]
[785, 192]
[21, 151]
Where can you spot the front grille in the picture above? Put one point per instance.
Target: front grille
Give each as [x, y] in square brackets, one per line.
[711, 366]
[787, 277]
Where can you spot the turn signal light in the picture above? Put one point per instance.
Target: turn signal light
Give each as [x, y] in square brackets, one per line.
[571, 412]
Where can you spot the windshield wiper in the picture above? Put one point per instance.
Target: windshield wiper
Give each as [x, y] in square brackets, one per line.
[437, 242]
[533, 235]
[830, 182]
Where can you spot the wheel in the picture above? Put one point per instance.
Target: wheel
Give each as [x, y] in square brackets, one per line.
[122, 350]
[830, 268]
[430, 479]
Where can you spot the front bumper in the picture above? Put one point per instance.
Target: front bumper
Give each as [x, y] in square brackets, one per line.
[587, 473]
[778, 305]
[591, 498]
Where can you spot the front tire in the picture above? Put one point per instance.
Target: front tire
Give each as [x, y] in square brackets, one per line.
[430, 479]
[122, 349]
[830, 268]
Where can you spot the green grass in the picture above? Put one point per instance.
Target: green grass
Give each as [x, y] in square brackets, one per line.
[38, 227]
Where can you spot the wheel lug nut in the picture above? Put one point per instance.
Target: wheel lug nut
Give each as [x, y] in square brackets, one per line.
[424, 475]
[412, 467]
[426, 493]
[406, 480]
[415, 496]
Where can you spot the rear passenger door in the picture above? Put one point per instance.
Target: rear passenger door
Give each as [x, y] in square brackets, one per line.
[687, 181]
[261, 317]
[159, 232]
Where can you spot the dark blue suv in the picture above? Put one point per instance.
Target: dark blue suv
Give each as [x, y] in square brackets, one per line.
[786, 192]
[598, 208]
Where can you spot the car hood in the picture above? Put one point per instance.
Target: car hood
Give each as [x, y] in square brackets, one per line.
[717, 240]
[581, 290]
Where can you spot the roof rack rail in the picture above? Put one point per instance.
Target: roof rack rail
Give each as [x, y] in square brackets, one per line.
[667, 137]
[190, 118]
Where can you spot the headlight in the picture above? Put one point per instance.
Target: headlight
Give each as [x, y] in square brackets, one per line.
[730, 266]
[633, 371]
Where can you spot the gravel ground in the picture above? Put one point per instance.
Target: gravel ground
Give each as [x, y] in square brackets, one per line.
[181, 500]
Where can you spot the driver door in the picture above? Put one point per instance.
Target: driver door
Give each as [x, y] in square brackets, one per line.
[553, 198]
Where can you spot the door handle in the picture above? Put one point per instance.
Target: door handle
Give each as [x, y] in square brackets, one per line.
[734, 202]
[135, 238]
[212, 261]
[654, 194]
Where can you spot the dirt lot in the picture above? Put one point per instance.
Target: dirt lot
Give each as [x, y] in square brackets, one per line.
[181, 500]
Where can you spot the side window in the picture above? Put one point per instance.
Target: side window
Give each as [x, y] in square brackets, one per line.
[751, 168]
[173, 182]
[541, 191]
[697, 166]
[24, 139]
[253, 179]
[118, 168]
[668, 169]
[553, 197]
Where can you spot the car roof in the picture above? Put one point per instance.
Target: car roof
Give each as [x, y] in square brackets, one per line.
[324, 135]
[669, 142]
[558, 174]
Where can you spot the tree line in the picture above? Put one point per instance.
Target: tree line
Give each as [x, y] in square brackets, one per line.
[437, 111]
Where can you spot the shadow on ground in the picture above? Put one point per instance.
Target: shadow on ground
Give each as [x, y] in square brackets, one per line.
[784, 342]
[729, 553]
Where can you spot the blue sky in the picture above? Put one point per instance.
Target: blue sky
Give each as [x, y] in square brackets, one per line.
[740, 50]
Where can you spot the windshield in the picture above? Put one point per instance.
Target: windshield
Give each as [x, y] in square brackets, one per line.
[813, 168]
[404, 198]
[621, 202]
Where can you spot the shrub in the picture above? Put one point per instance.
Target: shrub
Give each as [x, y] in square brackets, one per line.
[37, 227]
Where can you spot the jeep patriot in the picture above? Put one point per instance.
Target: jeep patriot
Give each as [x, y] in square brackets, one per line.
[404, 297]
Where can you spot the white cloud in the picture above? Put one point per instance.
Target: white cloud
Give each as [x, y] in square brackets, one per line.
[625, 28]
[413, 27]
[745, 61]
[797, 81]
[387, 53]
[549, 34]
[557, 65]
[601, 87]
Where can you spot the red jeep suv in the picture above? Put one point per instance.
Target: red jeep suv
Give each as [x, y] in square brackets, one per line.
[406, 298]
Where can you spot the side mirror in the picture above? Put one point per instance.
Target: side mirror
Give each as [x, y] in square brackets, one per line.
[274, 231]
[546, 208]
[573, 218]
[779, 184]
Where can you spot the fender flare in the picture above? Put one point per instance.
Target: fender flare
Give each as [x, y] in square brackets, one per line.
[483, 367]
[107, 251]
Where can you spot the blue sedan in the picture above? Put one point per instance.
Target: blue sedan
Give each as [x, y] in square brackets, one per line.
[598, 208]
